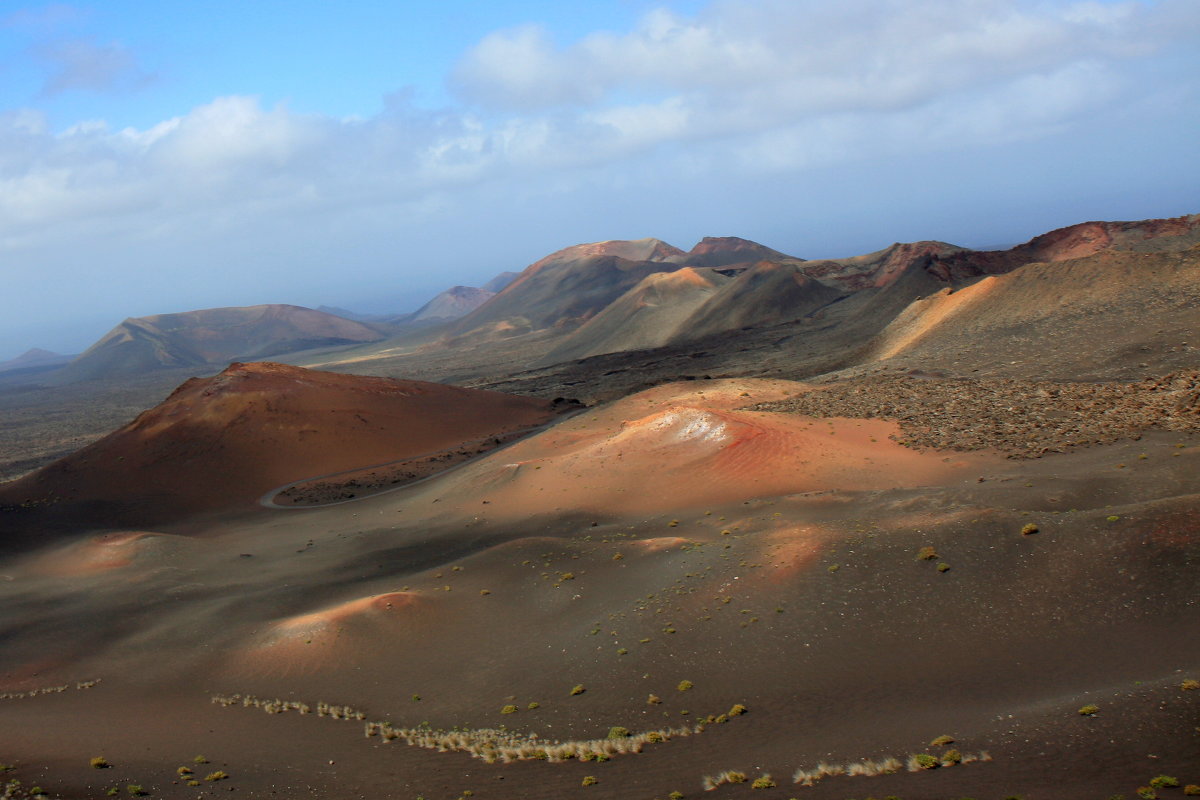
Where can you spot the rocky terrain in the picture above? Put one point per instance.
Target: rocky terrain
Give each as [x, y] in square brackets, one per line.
[1024, 419]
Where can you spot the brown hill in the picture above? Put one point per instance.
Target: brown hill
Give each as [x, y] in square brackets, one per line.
[879, 269]
[566, 288]
[1138, 304]
[768, 293]
[720, 251]
[223, 441]
[35, 358]
[1075, 241]
[455, 302]
[646, 316]
[211, 336]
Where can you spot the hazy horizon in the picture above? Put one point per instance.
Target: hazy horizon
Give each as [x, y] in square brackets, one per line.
[165, 159]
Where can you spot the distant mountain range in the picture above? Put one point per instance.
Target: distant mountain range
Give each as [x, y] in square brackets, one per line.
[214, 336]
[608, 297]
[35, 359]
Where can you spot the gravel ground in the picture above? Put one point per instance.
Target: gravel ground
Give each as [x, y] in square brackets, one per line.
[1022, 418]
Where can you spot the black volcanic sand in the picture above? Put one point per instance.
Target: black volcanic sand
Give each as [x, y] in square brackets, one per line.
[812, 610]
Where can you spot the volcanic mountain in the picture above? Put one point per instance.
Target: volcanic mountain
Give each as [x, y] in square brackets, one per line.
[720, 251]
[34, 359]
[568, 287]
[211, 336]
[648, 315]
[1074, 241]
[455, 302]
[222, 441]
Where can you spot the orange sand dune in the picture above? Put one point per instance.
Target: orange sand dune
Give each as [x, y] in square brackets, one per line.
[320, 639]
[686, 445]
[108, 551]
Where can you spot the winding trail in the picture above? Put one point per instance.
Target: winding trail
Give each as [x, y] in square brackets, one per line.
[268, 499]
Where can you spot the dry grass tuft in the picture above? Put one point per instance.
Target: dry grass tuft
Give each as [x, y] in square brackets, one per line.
[884, 766]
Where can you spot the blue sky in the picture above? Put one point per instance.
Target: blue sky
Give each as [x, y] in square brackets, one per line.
[160, 157]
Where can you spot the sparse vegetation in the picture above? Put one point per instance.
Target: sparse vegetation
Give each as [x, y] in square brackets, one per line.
[763, 782]
[577, 689]
[219, 775]
[684, 685]
[1088, 710]
[1192, 790]
[508, 709]
[618, 732]
[942, 741]
[99, 762]
[1164, 782]
[922, 761]
[136, 790]
[927, 553]
[1190, 685]
[943, 567]
[1029, 528]
[590, 780]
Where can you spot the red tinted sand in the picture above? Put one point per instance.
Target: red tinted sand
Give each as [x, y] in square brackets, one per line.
[682, 446]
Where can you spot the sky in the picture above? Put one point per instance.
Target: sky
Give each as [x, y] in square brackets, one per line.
[160, 157]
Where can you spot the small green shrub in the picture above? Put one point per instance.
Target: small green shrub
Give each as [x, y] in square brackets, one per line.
[199, 760]
[509, 709]
[1146, 793]
[590, 780]
[735, 777]
[943, 567]
[136, 790]
[100, 762]
[737, 710]
[1192, 790]
[942, 741]
[675, 796]
[577, 689]
[925, 761]
[1029, 528]
[1112, 518]
[951, 757]
[533, 705]
[1088, 710]
[1190, 685]
[219, 775]
[618, 732]
[763, 782]
[927, 553]
[684, 685]
[184, 771]
[1164, 782]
